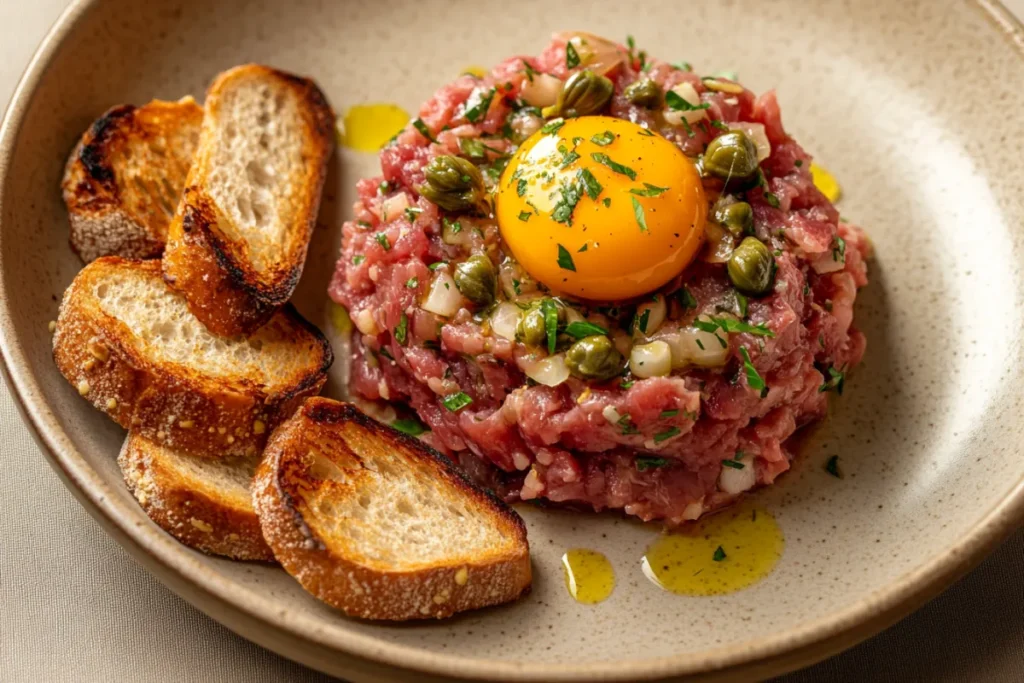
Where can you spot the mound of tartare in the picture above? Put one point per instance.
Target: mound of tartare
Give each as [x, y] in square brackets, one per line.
[601, 279]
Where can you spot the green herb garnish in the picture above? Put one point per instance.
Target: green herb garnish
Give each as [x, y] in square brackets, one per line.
[736, 465]
[402, 329]
[552, 126]
[677, 102]
[719, 554]
[638, 213]
[603, 139]
[798, 163]
[832, 467]
[648, 191]
[479, 110]
[643, 319]
[667, 434]
[839, 250]
[357, 259]
[572, 58]
[424, 131]
[607, 201]
[835, 381]
[410, 426]
[435, 265]
[456, 402]
[581, 328]
[754, 380]
[668, 413]
[382, 240]
[626, 422]
[590, 184]
[730, 325]
[524, 216]
[686, 299]
[550, 312]
[771, 199]
[412, 283]
[521, 187]
[571, 193]
[411, 212]
[602, 158]
[565, 259]
[647, 462]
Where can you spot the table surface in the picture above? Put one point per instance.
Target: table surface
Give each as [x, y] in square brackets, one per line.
[76, 607]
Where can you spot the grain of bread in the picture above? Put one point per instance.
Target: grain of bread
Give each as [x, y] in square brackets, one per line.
[203, 502]
[124, 178]
[131, 347]
[378, 525]
[238, 242]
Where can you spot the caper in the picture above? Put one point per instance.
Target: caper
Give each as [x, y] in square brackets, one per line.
[532, 328]
[453, 183]
[732, 157]
[594, 357]
[737, 218]
[476, 279]
[584, 93]
[752, 267]
[644, 93]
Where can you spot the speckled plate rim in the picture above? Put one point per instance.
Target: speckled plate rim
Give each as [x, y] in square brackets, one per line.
[291, 635]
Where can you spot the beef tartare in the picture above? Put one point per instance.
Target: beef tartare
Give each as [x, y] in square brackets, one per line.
[601, 279]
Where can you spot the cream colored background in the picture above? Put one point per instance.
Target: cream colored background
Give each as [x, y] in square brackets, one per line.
[75, 607]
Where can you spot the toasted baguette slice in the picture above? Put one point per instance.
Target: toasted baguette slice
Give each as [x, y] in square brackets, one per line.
[124, 179]
[237, 245]
[377, 524]
[205, 503]
[131, 347]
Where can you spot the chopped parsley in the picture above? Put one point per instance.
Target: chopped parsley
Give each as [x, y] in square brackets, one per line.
[568, 156]
[677, 102]
[742, 303]
[581, 328]
[382, 240]
[735, 464]
[357, 259]
[521, 187]
[411, 426]
[435, 265]
[572, 58]
[682, 66]
[647, 462]
[645, 132]
[454, 226]
[648, 191]
[642, 320]
[720, 125]
[771, 199]
[607, 201]
[667, 434]
[528, 70]
[839, 250]
[565, 259]
[730, 325]
[582, 249]
[550, 313]
[387, 354]
[515, 287]
[384, 187]
[832, 467]
[479, 110]
[686, 299]
[412, 283]
[626, 422]
[590, 184]
[473, 148]
[424, 131]
[798, 163]
[571, 193]
[552, 126]
[719, 554]
[835, 381]
[402, 329]
[638, 213]
[626, 385]
[602, 158]
[524, 216]
[754, 380]
[668, 413]
[411, 212]
[456, 402]
[603, 139]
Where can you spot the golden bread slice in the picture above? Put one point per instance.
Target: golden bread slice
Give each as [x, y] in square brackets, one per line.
[378, 525]
[131, 347]
[238, 242]
[124, 178]
[205, 503]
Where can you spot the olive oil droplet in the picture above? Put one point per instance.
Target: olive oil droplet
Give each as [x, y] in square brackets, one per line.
[689, 562]
[826, 182]
[477, 71]
[589, 576]
[368, 127]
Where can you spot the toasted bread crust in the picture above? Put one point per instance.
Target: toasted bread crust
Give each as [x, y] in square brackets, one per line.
[124, 178]
[222, 288]
[194, 515]
[283, 477]
[169, 404]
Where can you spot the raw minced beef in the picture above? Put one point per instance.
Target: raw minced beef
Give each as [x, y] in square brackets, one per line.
[652, 447]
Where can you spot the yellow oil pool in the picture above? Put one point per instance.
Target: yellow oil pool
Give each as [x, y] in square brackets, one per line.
[477, 71]
[826, 182]
[721, 554]
[589, 576]
[368, 127]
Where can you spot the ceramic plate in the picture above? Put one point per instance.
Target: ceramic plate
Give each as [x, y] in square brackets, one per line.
[914, 109]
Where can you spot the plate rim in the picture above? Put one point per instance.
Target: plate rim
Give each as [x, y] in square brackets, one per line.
[176, 567]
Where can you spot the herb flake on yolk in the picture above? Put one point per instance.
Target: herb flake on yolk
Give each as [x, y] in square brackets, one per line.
[624, 207]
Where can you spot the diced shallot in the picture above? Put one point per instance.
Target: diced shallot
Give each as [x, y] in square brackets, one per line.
[443, 298]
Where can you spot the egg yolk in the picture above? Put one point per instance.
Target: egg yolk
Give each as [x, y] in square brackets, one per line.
[601, 208]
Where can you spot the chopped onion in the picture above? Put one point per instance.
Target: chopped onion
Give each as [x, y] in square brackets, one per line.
[650, 360]
[693, 510]
[542, 90]
[455, 232]
[719, 243]
[524, 125]
[392, 207]
[504, 320]
[690, 346]
[443, 298]
[688, 93]
[550, 371]
[734, 481]
[755, 131]
[599, 55]
[366, 323]
[827, 263]
[611, 414]
[655, 310]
